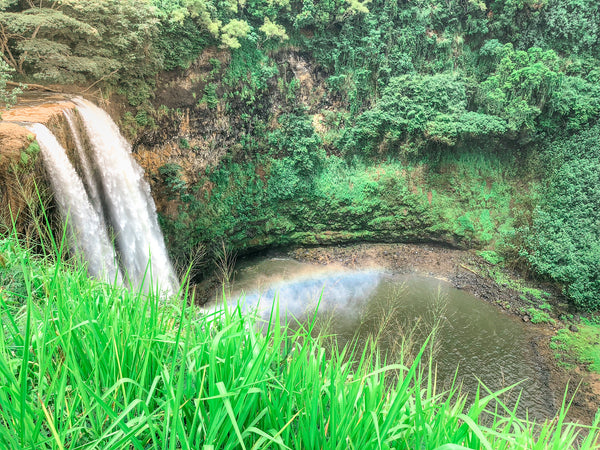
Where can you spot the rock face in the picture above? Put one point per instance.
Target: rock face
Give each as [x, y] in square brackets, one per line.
[41, 109]
[232, 150]
[15, 174]
[21, 173]
[250, 153]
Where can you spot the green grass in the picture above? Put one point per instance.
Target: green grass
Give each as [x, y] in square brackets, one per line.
[84, 365]
[582, 347]
[538, 316]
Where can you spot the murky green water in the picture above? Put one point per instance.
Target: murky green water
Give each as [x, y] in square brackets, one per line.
[484, 343]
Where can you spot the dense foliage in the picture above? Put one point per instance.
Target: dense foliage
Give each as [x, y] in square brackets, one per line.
[8, 96]
[77, 40]
[565, 242]
[423, 78]
[310, 91]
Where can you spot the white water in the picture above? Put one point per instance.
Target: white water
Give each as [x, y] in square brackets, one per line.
[86, 231]
[127, 201]
[110, 198]
[89, 181]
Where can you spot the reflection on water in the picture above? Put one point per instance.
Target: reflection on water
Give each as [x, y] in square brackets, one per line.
[401, 311]
[342, 293]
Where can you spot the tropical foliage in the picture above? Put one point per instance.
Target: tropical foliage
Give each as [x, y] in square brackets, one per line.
[406, 83]
[565, 240]
[8, 96]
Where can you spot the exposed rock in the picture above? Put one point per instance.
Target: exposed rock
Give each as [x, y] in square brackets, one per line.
[21, 173]
[41, 109]
[16, 176]
[13, 139]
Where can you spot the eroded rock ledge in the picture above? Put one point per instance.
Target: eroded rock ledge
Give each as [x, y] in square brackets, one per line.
[21, 172]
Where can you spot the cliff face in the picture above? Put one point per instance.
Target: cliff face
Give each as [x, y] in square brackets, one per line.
[256, 160]
[22, 175]
[252, 156]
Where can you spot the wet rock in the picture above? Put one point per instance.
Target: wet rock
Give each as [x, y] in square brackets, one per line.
[526, 319]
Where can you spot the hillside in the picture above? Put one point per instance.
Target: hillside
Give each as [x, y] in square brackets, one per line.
[295, 123]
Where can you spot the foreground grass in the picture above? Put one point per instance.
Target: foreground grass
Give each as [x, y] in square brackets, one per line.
[84, 365]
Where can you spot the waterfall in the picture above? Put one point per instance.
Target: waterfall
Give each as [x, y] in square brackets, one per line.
[90, 182]
[131, 210]
[111, 194]
[86, 231]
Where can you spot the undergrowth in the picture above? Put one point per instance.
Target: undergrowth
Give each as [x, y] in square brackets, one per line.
[579, 347]
[298, 200]
[85, 365]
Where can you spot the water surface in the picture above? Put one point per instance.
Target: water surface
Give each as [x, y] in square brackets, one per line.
[474, 340]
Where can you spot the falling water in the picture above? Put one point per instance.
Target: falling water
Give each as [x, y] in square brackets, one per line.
[129, 205]
[87, 233]
[90, 182]
[110, 198]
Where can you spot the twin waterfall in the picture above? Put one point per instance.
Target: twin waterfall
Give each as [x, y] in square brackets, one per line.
[106, 199]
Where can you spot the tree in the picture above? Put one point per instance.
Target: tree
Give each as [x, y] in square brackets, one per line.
[520, 87]
[7, 97]
[76, 40]
[208, 18]
[417, 107]
[272, 30]
[233, 31]
[26, 34]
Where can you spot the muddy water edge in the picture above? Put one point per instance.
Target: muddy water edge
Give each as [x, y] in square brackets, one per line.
[460, 269]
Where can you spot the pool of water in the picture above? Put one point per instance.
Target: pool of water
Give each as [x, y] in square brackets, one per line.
[473, 340]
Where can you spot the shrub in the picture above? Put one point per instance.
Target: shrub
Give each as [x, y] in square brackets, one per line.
[564, 243]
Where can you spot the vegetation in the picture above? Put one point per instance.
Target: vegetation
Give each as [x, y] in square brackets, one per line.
[86, 365]
[473, 103]
[473, 123]
[341, 201]
[565, 245]
[71, 41]
[579, 347]
[539, 316]
[8, 97]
